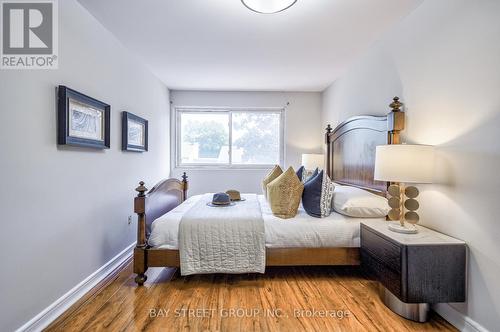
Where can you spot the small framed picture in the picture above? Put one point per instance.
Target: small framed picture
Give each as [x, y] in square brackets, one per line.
[82, 120]
[134, 133]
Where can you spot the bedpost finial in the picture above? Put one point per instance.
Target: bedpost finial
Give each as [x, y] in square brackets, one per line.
[141, 189]
[328, 133]
[184, 186]
[396, 104]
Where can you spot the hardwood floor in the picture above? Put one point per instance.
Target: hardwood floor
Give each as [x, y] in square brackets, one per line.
[284, 299]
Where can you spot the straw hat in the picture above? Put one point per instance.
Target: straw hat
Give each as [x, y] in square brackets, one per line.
[234, 195]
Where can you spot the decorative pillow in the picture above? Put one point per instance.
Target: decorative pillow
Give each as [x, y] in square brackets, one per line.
[355, 202]
[284, 194]
[307, 178]
[303, 174]
[273, 174]
[317, 195]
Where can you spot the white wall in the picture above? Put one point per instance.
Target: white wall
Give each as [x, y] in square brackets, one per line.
[443, 60]
[64, 210]
[303, 134]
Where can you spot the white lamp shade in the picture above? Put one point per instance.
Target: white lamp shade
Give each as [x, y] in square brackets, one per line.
[404, 163]
[311, 161]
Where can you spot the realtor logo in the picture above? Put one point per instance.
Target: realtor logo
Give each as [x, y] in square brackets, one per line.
[29, 34]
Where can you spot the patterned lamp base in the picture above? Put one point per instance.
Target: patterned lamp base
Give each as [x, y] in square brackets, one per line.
[402, 198]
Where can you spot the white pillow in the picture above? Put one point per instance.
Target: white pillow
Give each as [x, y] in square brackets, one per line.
[359, 203]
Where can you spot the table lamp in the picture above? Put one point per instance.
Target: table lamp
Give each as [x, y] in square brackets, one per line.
[311, 161]
[404, 163]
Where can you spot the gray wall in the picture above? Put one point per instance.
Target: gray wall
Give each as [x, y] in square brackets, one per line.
[303, 134]
[64, 210]
[443, 60]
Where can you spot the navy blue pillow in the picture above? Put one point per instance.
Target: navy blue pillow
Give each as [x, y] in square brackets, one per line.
[317, 195]
[301, 172]
[316, 171]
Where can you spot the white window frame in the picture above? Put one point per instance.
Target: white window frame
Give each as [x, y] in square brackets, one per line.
[178, 110]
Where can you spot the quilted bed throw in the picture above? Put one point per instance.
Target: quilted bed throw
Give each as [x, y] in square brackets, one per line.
[226, 239]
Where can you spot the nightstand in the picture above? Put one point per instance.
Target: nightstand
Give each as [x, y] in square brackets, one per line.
[414, 270]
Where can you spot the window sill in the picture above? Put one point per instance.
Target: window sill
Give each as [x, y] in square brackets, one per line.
[221, 168]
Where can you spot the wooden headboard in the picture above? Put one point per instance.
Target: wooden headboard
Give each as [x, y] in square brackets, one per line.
[163, 197]
[350, 156]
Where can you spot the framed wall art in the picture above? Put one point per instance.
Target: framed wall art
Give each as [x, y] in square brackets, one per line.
[82, 120]
[134, 133]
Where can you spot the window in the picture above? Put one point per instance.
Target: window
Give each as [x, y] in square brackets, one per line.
[229, 138]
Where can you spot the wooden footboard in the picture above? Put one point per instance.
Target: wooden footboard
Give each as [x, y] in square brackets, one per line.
[163, 197]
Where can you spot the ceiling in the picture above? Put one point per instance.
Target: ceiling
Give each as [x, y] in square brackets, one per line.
[221, 45]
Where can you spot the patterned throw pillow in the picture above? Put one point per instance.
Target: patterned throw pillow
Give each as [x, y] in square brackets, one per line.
[284, 194]
[273, 174]
[317, 196]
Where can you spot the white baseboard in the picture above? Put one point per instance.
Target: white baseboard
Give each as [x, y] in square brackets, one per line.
[460, 321]
[49, 314]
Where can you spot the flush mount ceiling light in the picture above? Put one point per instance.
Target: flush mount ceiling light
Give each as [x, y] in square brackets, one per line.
[268, 6]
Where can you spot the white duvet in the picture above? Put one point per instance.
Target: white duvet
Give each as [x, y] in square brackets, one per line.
[334, 231]
[222, 239]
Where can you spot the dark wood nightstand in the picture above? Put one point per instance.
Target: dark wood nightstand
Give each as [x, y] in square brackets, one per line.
[414, 270]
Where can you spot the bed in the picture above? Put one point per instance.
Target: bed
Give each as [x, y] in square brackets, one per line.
[350, 159]
[301, 231]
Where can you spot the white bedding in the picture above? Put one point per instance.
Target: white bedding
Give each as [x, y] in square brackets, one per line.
[222, 239]
[302, 231]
